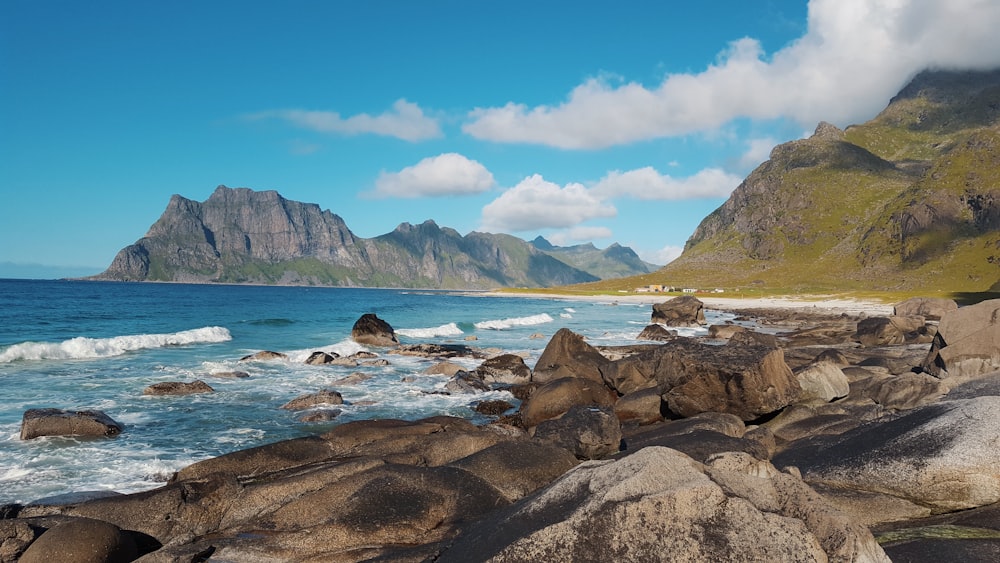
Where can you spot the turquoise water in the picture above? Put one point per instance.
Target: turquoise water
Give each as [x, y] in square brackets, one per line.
[96, 345]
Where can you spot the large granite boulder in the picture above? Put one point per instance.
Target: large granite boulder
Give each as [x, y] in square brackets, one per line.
[701, 437]
[693, 377]
[373, 331]
[589, 432]
[507, 369]
[683, 311]
[941, 456]
[557, 397]
[930, 308]
[823, 381]
[889, 331]
[83, 540]
[657, 333]
[660, 504]
[967, 343]
[518, 468]
[178, 388]
[57, 422]
[568, 355]
[644, 406]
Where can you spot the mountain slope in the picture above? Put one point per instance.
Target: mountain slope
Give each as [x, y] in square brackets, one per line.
[615, 261]
[245, 236]
[908, 200]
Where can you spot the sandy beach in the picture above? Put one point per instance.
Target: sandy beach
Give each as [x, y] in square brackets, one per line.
[813, 304]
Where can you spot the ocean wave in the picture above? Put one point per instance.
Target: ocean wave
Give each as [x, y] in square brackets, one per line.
[84, 348]
[450, 329]
[504, 324]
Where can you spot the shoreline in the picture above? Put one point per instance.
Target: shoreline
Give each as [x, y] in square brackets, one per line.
[825, 305]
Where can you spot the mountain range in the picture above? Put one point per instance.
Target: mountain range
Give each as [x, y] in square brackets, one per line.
[246, 236]
[907, 201]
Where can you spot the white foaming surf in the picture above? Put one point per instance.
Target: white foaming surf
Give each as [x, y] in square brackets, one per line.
[83, 348]
[450, 329]
[505, 324]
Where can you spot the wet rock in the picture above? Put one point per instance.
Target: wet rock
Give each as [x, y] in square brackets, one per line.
[683, 311]
[465, 382]
[321, 415]
[263, 356]
[589, 432]
[57, 422]
[568, 355]
[324, 397]
[444, 368]
[178, 388]
[354, 379]
[438, 351]
[320, 358]
[373, 331]
[230, 374]
[492, 408]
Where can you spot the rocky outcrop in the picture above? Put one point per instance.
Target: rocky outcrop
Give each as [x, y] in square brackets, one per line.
[246, 236]
[507, 369]
[309, 400]
[568, 355]
[589, 432]
[659, 501]
[82, 539]
[967, 343]
[931, 308]
[888, 331]
[680, 311]
[57, 422]
[178, 388]
[369, 329]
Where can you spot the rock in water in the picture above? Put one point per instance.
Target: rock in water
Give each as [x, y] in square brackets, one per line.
[57, 422]
[568, 355]
[178, 388]
[324, 397]
[371, 330]
[680, 311]
[508, 369]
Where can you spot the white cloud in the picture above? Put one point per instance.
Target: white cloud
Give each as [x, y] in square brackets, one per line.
[648, 184]
[579, 235]
[854, 56]
[538, 204]
[758, 150]
[661, 256]
[447, 174]
[404, 121]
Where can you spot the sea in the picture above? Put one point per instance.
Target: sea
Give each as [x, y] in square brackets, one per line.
[80, 345]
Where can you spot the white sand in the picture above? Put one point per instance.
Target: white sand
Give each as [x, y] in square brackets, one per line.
[817, 303]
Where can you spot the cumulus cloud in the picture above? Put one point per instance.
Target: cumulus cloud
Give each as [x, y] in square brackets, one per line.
[404, 121]
[447, 174]
[854, 56]
[648, 184]
[758, 150]
[538, 204]
[661, 256]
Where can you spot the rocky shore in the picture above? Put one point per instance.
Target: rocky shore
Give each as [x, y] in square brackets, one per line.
[790, 434]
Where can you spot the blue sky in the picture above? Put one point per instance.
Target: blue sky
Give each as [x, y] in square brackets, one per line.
[580, 121]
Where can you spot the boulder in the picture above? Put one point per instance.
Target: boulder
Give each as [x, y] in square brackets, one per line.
[17, 535]
[82, 540]
[930, 308]
[753, 338]
[724, 332]
[178, 388]
[556, 397]
[833, 356]
[518, 468]
[57, 422]
[589, 432]
[321, 415]
[568, 355]
[263, 356]
[898, 392]
[492, 408]
[967, 343]
[324, 397]
[465, 382]
[823, 381]
[373, 331]
[444, 368]
[683, 311]
[644, 406]
[657, 333]
[700, 437]
[660, 504]
[354, 379]
[507, 369]
[320, 358]
[230, 374]
[938, 456]
[802, 421]
[888, 331]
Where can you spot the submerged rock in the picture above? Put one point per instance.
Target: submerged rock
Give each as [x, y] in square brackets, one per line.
[178, 388]
[264, 355]
[324, 397]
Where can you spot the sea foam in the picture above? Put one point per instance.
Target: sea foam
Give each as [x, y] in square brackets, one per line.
[450, 329]
[83, 347]
[504, 324]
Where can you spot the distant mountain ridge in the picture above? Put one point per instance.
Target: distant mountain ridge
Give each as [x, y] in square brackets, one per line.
[239, 235]
[908, 200]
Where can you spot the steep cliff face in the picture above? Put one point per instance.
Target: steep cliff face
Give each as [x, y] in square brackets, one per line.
[245, 236]
[909, 199]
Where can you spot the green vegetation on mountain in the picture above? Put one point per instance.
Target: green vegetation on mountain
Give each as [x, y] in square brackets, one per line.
[909, 201]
